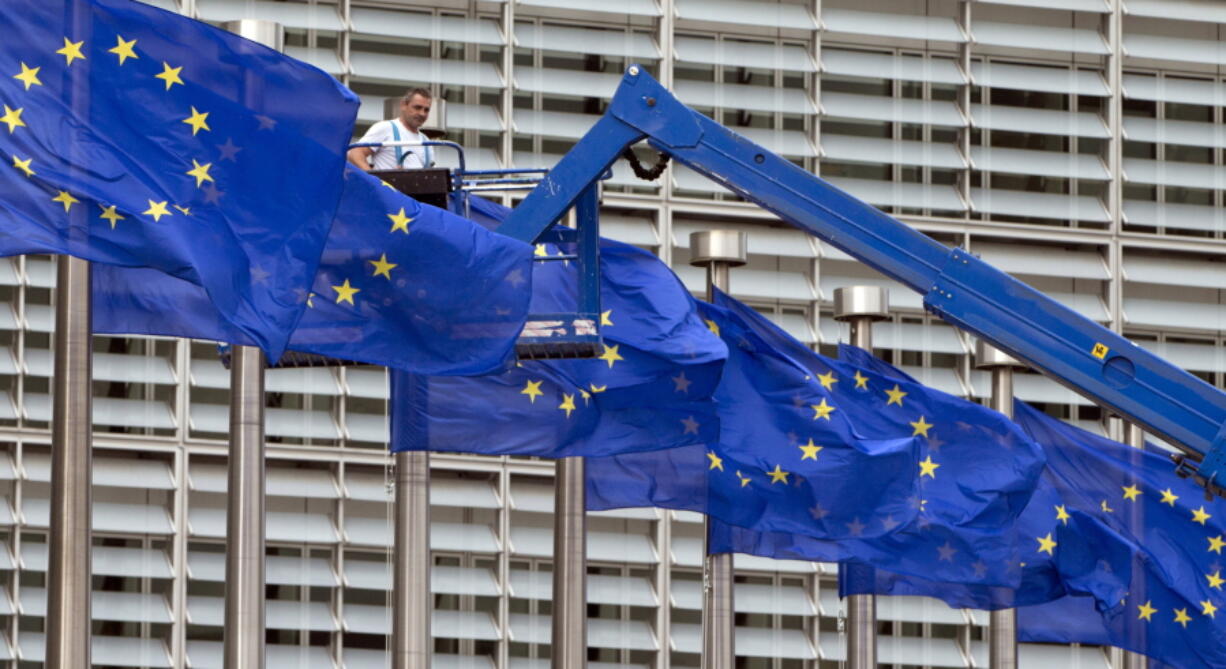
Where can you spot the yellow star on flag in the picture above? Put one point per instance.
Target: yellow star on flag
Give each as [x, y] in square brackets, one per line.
[1145, 611]
[201, 172]
[157, 210]
[743, 479]
[921, 427]
[1182, 617]
[198, 121]
[810, 450]
[1207, 608]
[345, 292]
[1168, 497]
[71, 51]
[13, 118]
[182, 210]
[28, 76]
[610, 354]
[1106, 509]
[383, 267]
[928, 467]
[1215, 579]
[540, 251]
[605, 319]
[1046, 544]
[170, 75]
[24, 165]
[568, 403]
[1199, 515]
[716, 461]
[778, 475]
[400, 221]
[861, 380]
[65, 198]
[1131, 492]
[597, 389]
[109, 214]
[896, 394]
[827, 380]
[533, 390]
[1062, 514]
[822, 410]
[1216, 544]
[712, 326]
[123, 49]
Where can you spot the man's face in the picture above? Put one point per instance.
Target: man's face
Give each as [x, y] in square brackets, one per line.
[415, 112]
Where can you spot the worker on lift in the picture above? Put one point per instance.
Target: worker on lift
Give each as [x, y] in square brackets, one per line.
[414, 110]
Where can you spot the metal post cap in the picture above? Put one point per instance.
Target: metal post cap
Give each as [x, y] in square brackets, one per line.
[269, 33]
[988, 356]
[722, 246]
[872, 302]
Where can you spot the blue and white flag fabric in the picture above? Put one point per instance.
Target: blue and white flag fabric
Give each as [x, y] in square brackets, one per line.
[400, 283]
[139, 138]
[649, 389]
[967, 472]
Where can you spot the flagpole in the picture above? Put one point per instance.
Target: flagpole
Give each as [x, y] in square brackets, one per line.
[1002, 624]
[860, 306]
[412, 604]
[68, 571]
[243, 633]
[569, 623]
[718, 251]
[1134, 436]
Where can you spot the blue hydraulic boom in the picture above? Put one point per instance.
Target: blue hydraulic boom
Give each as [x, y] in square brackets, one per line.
[957, 286]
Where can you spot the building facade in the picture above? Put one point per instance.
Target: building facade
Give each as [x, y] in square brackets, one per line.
[1077, 144]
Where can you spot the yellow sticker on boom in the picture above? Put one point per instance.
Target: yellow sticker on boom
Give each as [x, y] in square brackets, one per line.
[1100, 351]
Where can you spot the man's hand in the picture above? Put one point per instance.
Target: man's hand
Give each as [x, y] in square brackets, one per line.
[360, 156]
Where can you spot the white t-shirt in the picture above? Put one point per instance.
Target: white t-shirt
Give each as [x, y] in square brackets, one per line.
[385, 157]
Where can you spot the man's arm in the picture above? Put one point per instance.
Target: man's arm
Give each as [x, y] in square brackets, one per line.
[360, 156]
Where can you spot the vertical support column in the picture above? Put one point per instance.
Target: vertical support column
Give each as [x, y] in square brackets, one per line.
[860, 306]
[570, 489]
[1135, 437]
[243, 634]
[1002, 630]
[412, 603]
[718, 251]
[68, 571]
[569, 566]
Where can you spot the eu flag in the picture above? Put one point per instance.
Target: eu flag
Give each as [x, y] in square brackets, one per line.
[1140, 541]
[140, 138]
[400, 284]
[649, 389]
[1117, 550]
[655, 347]
[956, 493]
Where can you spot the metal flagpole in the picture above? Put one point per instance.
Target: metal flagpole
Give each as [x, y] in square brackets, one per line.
[1002, 630]
[244, 624]
[718, 251]
[412, 604]
[68, 571]
[569, 631]
[860, 306]
[1134, 436]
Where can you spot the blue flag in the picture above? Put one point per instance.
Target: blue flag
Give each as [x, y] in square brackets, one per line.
[655, 348]
[400, 284]
[1140, 542]
[948, 518]
[139, 138]
[1123, 551]
[650, 389]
